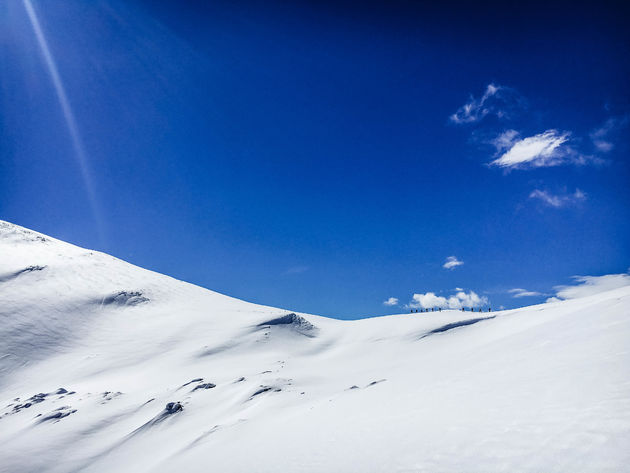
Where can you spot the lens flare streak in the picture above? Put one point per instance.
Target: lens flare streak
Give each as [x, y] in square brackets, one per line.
[68, 114]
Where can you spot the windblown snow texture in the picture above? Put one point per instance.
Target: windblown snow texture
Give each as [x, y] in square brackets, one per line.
[105, 366]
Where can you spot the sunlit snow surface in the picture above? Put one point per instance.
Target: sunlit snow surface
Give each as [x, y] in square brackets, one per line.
[109, 367]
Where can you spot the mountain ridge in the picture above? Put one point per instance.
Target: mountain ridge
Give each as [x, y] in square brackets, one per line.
[102, 361]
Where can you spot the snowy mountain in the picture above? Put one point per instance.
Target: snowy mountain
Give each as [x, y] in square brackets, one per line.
[105, 366]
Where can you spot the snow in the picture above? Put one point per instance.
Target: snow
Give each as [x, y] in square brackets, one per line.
[160, 375]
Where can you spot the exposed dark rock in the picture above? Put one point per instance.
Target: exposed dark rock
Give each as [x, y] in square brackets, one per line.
[293, 321]
[58, 414]
[205, 386]
[264, 389]
[375, 382]
[196, 380]
[28, 269]
[19, 407]
[125, 298]
[173, 407]
[109, 395]
[34, 399]
[453, 325]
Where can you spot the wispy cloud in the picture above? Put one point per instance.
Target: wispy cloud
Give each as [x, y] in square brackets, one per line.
[601, 136]
[519, 292]
[544, 149]
[452, 262]
[391, 301]
[496, 100]
[505, 140]
[590, 285]
[557, 200]
[456, 301]
[552, 147]
[296, 270]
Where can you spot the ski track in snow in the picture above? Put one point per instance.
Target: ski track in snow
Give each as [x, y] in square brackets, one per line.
[105, 366]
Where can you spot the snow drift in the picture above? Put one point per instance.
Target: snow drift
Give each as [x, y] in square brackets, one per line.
[105, 366]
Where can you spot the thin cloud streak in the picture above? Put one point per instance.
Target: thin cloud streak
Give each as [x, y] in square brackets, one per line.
[590, 285]
[557, 201]
[496, 100]
[452, 262]
[519, 292]
[297, 270]
[601, 137]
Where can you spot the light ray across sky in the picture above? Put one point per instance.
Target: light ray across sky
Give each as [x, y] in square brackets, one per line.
[68, 114]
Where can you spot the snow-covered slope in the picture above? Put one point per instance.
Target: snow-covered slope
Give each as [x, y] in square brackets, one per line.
[105, 366]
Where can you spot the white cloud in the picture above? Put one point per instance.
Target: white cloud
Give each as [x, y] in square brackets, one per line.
[452, 262]
[544, 149]
[456, 301]
[603, 145]
[496, 100]
[601, 136]
[590, 285]
[519, 292]
[559, 200]
[391, 301]
[550, 148]
[505, 140]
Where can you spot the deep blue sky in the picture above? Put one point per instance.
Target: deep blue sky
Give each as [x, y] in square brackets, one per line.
[305, 157]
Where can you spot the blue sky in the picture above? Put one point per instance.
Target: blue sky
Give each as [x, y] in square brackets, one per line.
[324, 157]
